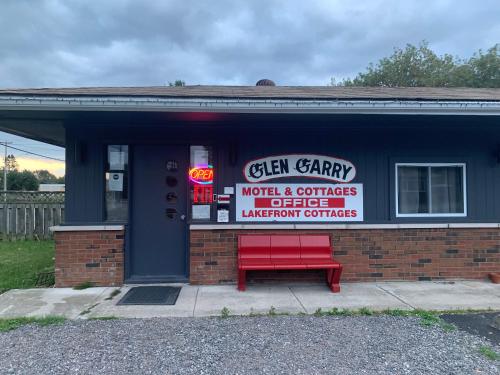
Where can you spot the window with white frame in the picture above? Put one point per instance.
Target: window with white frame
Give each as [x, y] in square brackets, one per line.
[430, 189]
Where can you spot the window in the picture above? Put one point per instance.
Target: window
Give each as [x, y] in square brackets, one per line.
[430, 190]
[117, 183]
[201, 181]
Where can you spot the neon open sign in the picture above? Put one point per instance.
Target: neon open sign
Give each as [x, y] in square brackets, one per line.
[202, 175]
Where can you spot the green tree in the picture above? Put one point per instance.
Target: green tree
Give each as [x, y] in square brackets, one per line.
[24, 180]
[177, 83]
[45, 177]
[485, 68]
[420, 67]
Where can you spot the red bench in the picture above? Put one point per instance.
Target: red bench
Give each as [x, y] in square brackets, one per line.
[287, 252]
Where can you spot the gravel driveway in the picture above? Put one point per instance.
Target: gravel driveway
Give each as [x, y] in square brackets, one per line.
[248, 345]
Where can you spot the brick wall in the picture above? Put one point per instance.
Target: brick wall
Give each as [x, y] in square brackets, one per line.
[367, 255]
[95, 256]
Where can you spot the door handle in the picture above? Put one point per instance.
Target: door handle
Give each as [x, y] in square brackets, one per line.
[183, 217]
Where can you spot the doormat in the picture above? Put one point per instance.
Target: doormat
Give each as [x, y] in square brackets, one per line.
[151, 295]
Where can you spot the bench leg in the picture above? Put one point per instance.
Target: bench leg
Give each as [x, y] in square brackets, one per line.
[329, 275]
[242, 274]
[335, 280]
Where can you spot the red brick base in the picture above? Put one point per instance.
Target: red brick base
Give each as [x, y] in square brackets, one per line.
[89, 256]
[367, 255]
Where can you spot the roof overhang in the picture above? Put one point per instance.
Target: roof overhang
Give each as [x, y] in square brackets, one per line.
[158, 104]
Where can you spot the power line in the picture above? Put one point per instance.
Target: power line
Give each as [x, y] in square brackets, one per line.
[32, 153]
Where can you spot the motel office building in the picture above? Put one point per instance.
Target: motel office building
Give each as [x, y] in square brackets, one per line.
[160, 181]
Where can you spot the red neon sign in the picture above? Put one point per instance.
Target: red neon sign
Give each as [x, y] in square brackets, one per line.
[202, 175]
[203, 194]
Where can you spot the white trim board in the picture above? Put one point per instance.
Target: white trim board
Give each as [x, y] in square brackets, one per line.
[85, 228]
[31, 102]
[342, 226]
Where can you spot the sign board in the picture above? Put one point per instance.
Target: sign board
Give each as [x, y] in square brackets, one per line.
[223, 199]
[202, 175]
[223, 216]
[299, 165]
[299, 202]
[115, 182]
[200, 212]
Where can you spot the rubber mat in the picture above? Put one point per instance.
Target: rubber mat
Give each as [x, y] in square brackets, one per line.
[151, 295]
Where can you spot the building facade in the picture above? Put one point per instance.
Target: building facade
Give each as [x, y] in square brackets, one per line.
[160, 181]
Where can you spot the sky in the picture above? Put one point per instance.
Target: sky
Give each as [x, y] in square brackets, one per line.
[74, 43]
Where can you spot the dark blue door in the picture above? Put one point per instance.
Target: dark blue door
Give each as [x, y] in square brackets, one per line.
[158, 251]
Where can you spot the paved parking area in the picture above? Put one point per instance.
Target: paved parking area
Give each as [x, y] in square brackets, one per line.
[202, 301]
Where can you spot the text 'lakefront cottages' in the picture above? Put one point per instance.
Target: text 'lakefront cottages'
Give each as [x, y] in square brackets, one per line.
[160, 181]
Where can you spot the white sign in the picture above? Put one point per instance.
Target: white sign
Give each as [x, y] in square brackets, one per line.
[223, 199]
[223, 216]
[299, 202]
[115, 182]
[299, 165]
[200, 211]
[200, 157]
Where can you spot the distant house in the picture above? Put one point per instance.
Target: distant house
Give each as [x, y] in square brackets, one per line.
[51, 187]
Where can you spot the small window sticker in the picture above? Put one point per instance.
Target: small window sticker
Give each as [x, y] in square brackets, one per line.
[115, 182]
[223, 216]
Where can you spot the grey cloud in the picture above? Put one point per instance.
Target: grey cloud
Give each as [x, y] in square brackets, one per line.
[88, 43]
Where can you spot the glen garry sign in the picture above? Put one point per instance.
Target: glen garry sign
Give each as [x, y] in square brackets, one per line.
[299, 165]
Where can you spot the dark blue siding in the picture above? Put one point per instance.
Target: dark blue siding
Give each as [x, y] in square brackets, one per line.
[373, 143]
[84, 179]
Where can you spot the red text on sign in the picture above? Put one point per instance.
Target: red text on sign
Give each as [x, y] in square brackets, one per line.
[299, 202]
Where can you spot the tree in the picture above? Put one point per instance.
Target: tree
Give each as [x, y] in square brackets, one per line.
[420, 67]
[45, 177]
[177, 83]
[11, 163]
[24, 180]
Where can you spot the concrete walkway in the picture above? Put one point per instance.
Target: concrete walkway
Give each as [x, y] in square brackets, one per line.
[210, 300]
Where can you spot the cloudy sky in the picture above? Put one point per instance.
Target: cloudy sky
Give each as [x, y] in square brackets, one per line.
[67, 43]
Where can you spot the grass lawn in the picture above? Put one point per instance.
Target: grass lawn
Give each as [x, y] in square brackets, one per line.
[10, 324]
[21, 261]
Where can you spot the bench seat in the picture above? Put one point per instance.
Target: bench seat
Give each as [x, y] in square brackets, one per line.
[287, 252]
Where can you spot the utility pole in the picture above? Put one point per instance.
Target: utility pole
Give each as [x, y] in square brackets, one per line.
[5, 166]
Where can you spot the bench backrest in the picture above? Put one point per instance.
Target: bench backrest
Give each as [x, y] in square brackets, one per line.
[254, 247]
[315, 247]
[284, 247]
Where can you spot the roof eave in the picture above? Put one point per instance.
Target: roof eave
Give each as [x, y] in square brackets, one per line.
[340, 106]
